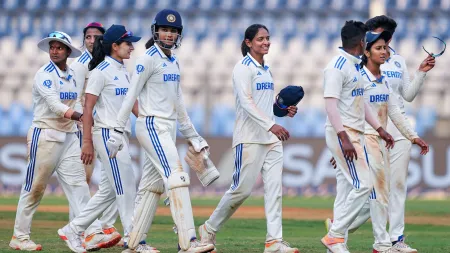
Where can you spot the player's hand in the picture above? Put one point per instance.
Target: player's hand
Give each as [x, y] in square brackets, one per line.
[280, 132]
[347, 146]
[114, 143]
[87, 152]
[333, 162]
[427, 64]
[386, 137]
[422, 144]
[292, 110]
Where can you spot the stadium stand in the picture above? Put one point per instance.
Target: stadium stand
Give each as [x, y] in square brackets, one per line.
[305, 34]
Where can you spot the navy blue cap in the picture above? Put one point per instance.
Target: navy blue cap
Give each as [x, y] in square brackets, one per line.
[170, 18]
[373, 36]
[118, 32]
[290, 95]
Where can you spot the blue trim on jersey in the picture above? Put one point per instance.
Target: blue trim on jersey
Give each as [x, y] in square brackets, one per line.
[32, 162]
[56, 69]
[103, 65]
[373, 194]
[340, 62]
[151, 50]
[351, 169]
[121, 63]
[245, 59]
[84, 58]
[238, 166]
[49, 68]
[157, 145]
[80, 137]
[113, 164]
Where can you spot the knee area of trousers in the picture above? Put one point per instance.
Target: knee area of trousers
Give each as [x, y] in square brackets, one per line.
[157, 187]
[178, 179]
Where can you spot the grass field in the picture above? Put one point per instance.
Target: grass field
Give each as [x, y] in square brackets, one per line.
[246, 235]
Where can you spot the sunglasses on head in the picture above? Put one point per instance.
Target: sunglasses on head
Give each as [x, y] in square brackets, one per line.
[58, 35]
[125, 35]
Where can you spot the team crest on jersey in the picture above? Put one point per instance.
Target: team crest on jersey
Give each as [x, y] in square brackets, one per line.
[139, 69]
[60, 82]
[171, 18]
[397, 64]
[47, 83]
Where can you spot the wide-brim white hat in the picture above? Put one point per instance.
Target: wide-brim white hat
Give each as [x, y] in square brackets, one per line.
[60, 37]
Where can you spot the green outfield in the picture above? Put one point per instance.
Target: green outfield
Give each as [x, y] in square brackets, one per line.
[247, 235]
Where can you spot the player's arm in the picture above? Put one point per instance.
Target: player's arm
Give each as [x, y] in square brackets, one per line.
[410, 89]
[135, 109]
[371, 118]
[80, 72]
[143, 71]
[47, 89]
[94, 87]
[403, 125]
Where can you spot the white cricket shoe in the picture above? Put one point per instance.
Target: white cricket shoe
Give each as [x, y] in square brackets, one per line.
[96, 241]
[335, 245]
[72, 240]
[198, 247]
[401, 246]
[328, 224]
[390, 250]
[27, 245]
[142, 248]
[206, 237]
[279, 246]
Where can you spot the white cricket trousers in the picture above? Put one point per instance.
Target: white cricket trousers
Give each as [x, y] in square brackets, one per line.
[250, 160]
[109, 216]
[353, 192]
[399, 157]
[51, 151]
[118, 185]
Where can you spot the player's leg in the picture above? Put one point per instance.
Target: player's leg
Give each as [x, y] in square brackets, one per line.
[379, 197]
[272, 171]
[357, 175]
[157, 137]
[399, 157]
[42, 159]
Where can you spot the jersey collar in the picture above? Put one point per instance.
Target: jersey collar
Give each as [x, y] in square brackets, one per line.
[366, 72]
[392, 52]
[163, 55]
[265, 67]
[114, 62]
[89, 53]
[67, 75]
[352, 58]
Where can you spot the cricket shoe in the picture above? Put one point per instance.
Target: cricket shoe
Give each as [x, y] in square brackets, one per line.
[401, 246]
[390, 250]
[121, 243]
[197, 247]
[142, 248]
[112, 231]
[279, 246]
[335, 245]
[207, 237]
[27, 245]
[328, 224]
[72, 240]
[97, 241]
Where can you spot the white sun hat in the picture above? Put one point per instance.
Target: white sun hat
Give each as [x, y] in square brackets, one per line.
[60, 37]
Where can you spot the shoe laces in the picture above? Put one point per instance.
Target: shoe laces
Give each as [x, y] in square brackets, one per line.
[402, 245]
[142, 247]
[285, 244]
[28, 243]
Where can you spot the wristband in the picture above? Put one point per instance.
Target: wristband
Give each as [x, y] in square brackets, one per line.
[117, 131]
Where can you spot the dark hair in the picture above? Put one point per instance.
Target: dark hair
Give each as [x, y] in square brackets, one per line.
[352, 33]
[85, 31]
[149, 43]
[383, 21]
[100, 50]
[250, 34]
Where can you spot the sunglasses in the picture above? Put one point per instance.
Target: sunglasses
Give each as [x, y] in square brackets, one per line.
[436, 55]
[125, 35]
[58, 35]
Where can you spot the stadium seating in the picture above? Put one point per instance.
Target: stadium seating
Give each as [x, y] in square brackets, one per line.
[305, 35]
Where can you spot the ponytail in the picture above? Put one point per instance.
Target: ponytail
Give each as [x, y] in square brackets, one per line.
[98, 52]
[363, 60]
[149, 43]
[244, 48]
[250, 34]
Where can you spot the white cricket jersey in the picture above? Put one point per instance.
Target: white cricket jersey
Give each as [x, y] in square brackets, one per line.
[54, 92]
[110, 82]
[397, 75]
[254, 91]
[156, 84]
[342, 81]
[80, 67]
[378, 96]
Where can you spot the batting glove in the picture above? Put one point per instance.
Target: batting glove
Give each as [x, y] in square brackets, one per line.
[114, 143]
[198, 143]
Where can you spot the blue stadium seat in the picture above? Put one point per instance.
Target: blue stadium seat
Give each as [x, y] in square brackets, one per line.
[425, 119]
[5, 24]
[197, 114]
[222, 121]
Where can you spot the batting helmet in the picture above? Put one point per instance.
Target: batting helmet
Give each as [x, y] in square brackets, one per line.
[167, 18]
